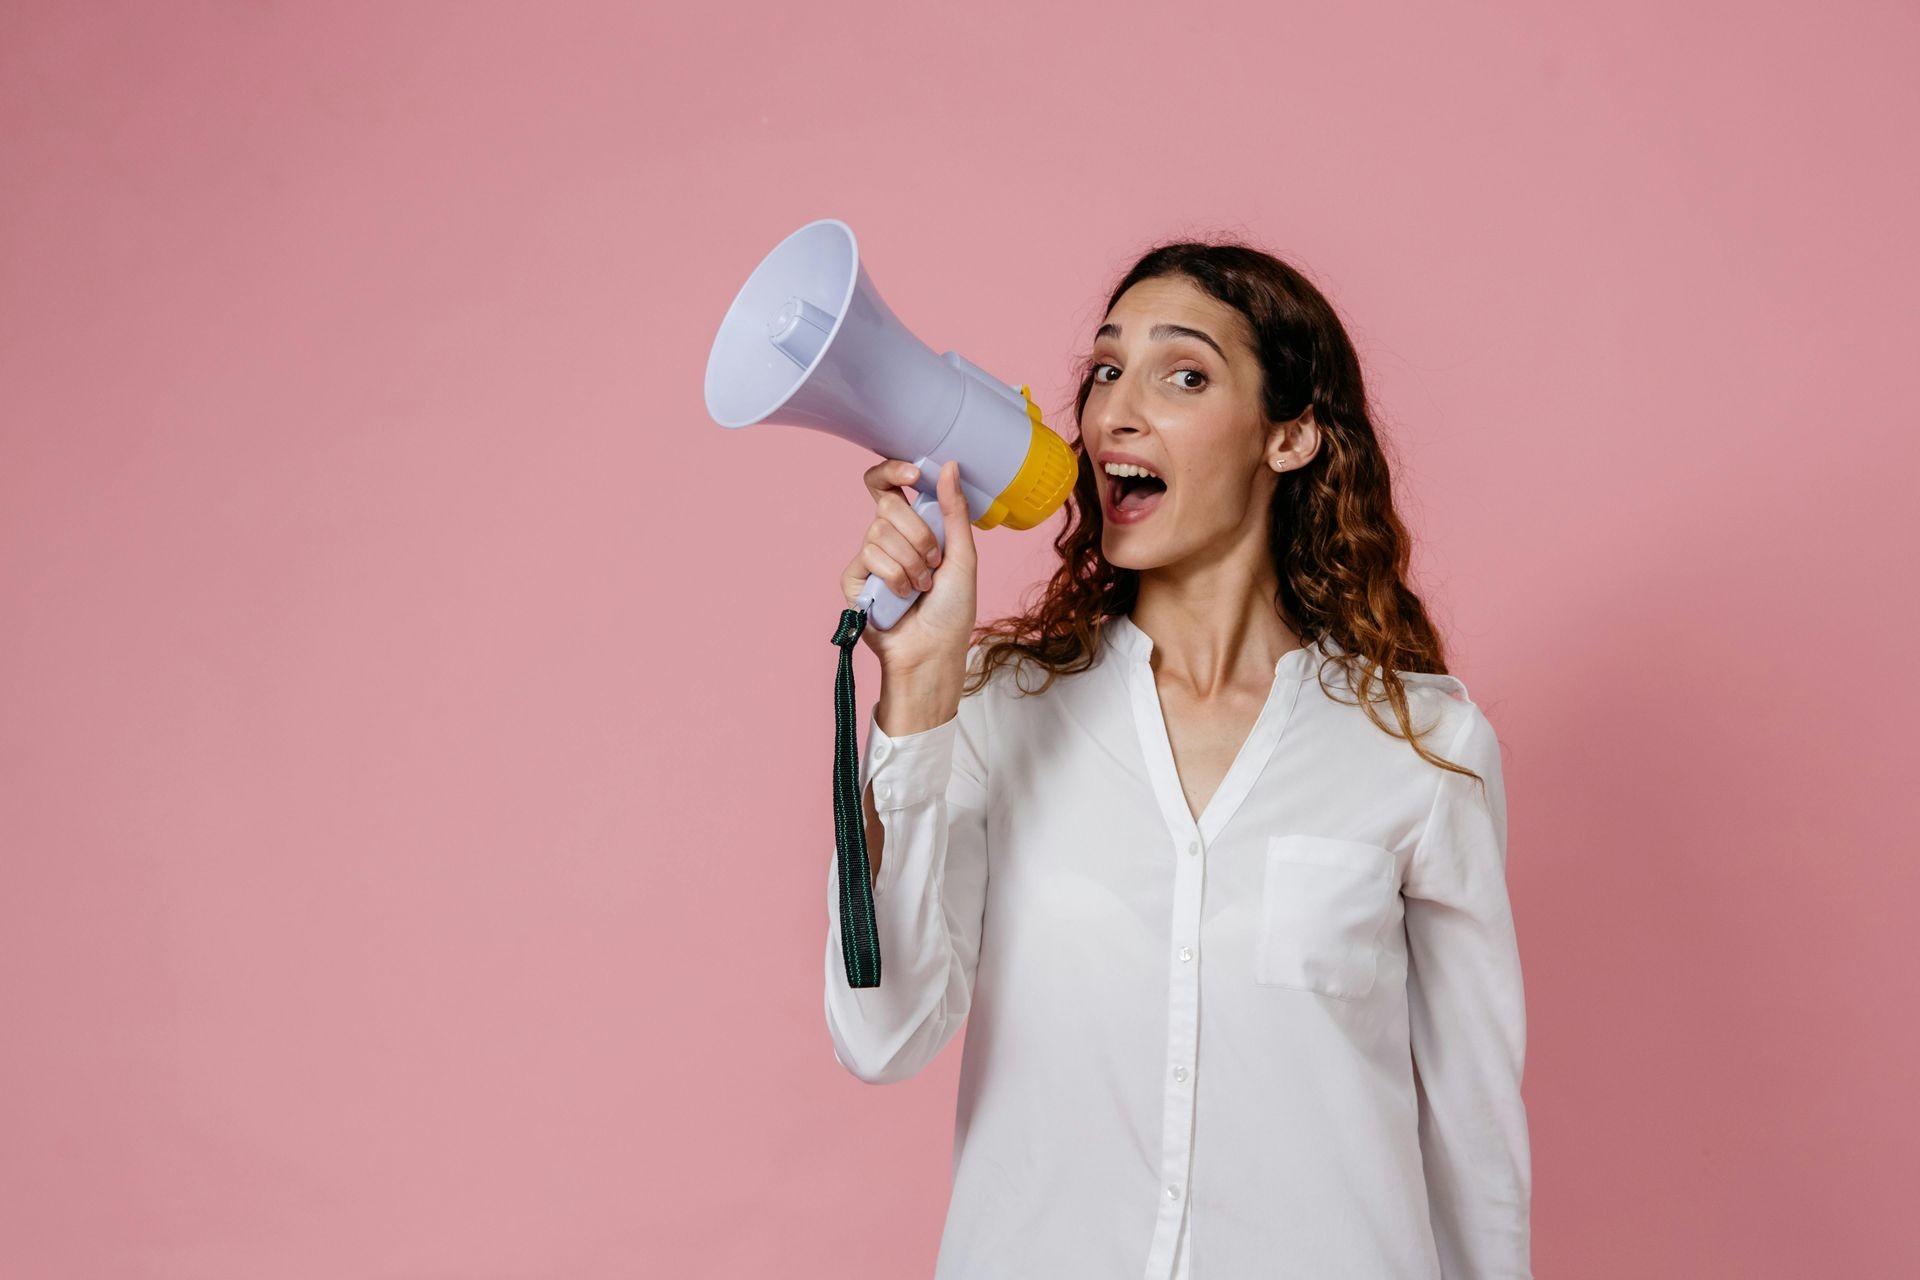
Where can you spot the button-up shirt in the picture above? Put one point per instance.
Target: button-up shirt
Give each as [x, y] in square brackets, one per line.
[1283, 1038]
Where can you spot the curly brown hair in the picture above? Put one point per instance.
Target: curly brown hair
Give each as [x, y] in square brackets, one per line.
[1340, 549]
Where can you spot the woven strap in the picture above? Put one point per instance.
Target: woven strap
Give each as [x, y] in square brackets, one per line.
[859, 933]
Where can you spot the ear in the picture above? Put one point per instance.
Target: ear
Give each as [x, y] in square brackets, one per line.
[1294, 442]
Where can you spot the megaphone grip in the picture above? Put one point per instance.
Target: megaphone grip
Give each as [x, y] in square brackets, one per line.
[859, 931]
[883, 606]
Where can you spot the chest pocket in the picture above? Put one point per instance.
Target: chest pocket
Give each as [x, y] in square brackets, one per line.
[1324, 904]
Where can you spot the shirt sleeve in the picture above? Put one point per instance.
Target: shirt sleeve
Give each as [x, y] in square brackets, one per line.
[1467, 1015]
[930, 792]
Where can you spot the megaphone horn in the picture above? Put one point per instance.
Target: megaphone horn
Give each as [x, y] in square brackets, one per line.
[808, 342]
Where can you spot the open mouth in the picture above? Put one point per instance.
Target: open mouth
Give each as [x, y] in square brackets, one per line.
[1131, 498]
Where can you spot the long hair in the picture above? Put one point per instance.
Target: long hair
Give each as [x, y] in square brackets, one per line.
[1339, 548]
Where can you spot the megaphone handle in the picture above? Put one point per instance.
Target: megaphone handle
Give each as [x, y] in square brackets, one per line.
[883, 607]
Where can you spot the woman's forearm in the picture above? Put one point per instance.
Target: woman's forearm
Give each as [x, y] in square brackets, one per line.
[910, 702]
[918, 700]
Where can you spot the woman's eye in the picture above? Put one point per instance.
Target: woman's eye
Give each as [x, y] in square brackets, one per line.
[1176, 373]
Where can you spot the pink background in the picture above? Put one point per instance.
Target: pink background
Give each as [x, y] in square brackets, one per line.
[413, 772]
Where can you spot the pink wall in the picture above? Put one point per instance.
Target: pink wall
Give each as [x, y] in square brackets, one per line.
[408, 872]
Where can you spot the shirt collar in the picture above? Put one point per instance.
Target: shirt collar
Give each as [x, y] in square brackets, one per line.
[1296, 664]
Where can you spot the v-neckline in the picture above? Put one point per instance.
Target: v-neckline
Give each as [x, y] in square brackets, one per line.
[1156, 744]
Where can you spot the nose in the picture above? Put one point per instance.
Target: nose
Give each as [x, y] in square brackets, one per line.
[1115, 410]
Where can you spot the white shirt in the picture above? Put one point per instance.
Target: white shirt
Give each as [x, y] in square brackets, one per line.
[1284, 1040]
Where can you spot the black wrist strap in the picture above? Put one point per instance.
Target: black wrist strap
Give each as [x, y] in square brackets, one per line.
[859, 933]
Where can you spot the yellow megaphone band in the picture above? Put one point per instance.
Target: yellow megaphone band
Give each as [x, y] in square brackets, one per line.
[1043, 482]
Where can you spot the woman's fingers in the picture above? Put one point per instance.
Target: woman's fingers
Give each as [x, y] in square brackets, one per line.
[953, 512]
[922, 547]
[900, 547]
[908, 560]
[887, 475]
[888, 570]
[893, 505]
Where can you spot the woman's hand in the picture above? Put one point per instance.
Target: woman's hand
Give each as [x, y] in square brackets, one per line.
[934, 633]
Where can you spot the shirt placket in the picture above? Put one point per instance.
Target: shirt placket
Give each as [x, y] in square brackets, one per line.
[1183, 1043]
[1183, 983]
[1190, 842]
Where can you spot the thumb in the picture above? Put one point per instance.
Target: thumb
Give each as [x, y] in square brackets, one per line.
[953, 507]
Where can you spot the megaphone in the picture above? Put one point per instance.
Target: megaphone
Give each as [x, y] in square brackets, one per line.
[808, 342]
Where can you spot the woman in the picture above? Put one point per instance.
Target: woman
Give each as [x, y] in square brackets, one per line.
[1207, 845]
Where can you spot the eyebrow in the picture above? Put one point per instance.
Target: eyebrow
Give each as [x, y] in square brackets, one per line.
[1163, 331]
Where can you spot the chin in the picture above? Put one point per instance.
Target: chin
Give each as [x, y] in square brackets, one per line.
[1137, 559]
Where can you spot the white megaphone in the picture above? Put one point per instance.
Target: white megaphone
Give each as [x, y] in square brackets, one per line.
[808, 343]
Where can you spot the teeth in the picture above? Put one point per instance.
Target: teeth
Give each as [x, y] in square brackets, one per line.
[1129, 469]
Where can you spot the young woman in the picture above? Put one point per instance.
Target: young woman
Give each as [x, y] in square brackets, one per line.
[1206, 847]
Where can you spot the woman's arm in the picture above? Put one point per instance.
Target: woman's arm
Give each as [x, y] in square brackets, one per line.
[1467, 1012]
[909, 703]
[925, 794]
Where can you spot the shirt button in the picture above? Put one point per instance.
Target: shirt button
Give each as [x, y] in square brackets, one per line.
[1186, 953]
[1179, 1073]
[882, 792]
[1193, 846]
[1173, 1193]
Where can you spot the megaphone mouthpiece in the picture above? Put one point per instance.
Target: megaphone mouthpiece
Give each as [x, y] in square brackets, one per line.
[800, 330]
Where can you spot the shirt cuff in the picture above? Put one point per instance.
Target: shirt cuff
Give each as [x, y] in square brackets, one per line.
[908, 769]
